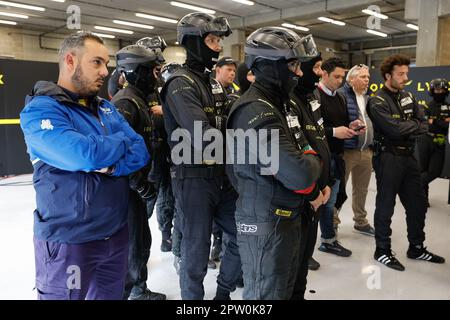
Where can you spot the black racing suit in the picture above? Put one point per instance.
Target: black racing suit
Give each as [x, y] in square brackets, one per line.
[132, 104]
[271, 193]
[160, 173]
[432, 145]
[397, 120]
[193, 102]
[308, 109]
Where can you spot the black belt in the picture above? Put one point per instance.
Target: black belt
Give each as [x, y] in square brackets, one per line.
[398, 150]
[207, 172]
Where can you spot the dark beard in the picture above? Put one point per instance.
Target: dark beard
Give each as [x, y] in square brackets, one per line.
[82, 84]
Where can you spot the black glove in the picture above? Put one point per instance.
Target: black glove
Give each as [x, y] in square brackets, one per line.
[146, 191]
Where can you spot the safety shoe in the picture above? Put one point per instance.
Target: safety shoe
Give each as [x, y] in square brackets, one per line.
[313, 264]
[367, 230]
[147, 295]
[176, 264]
[211, 264]
[335, 248]
[421, 253]
[166, 245]
[387, 257]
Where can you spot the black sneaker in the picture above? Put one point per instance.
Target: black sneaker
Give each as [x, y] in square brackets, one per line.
[166, 245]
[421, 253]
[366, 230]
[147, 295]
[387, 257]
[313, 264]
[335, 248]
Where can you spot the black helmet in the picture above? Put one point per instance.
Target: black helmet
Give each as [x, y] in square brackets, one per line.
[199, 24]
[439, 83]
[169, 69]
[131, 57]
[137, 63]
[156, 42]
[276, 43]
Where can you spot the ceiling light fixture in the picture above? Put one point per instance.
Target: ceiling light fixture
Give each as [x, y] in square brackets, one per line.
[190, 7]
[14, 15]
[13, 23]
[133, 24]
[412, 26]
[375, 14]
[152, 17]
[113, 30]
[293, 26]
[377, 33]
[329, 20]
[20, 5]
[249, 3]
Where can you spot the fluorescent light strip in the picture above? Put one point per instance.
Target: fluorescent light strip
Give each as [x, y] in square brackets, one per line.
[133, 24]
[293, 26]
[13, 23]
[412, 26]
[22, 6]
[377, 33]
[375, 14]
[14, 15]
[249, 3]
[329, 20]
[151, 17]
[113, 30]
[190, 7]
[58, 0]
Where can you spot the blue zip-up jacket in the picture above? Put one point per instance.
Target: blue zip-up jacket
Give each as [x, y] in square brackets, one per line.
[67, 143]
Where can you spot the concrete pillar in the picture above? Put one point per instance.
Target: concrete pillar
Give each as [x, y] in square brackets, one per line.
[428, 36]
[233, 46]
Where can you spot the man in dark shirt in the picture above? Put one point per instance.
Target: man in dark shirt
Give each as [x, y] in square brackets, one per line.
[337, 128]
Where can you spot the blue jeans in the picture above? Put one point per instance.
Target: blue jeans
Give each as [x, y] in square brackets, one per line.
[326, 216]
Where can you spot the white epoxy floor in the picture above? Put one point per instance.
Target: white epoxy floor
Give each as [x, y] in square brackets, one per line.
[356, 277]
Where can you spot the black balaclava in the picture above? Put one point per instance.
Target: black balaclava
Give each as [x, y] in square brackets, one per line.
[308, 82]
[241, 77]
[440, 97]
[143, 79]
[275, 73]
[199, 55]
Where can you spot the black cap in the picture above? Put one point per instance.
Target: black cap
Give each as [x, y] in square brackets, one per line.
[225, 61]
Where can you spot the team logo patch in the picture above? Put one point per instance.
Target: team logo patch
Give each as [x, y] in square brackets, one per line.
[46, 124]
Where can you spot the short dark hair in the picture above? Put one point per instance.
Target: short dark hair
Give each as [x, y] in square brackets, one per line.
[331, 64]
[390, 62]
[76, 41]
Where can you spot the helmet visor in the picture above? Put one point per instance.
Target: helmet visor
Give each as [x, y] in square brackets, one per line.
[218, 26]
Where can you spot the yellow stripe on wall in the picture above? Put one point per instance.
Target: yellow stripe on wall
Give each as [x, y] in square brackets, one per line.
[9, 121]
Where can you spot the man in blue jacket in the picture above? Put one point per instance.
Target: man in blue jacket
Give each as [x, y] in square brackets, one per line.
[82, 151]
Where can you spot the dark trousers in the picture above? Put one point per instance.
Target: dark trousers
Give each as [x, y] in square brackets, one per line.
[199, 201]
[94, 270]
[165, 205]
[398, 175]
[270, 262]
[140, 243]
[431, 159]
[308, 239]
